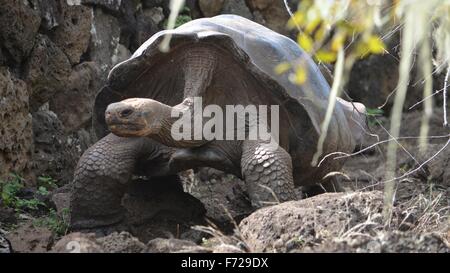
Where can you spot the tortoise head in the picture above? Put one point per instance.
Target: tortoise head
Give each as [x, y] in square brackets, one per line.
[136, 117]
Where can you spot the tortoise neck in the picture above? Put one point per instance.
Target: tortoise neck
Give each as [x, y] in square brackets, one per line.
[198, 68]
[199, 64]
[164, 135]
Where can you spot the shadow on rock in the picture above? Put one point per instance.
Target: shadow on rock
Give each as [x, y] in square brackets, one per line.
[153, 208]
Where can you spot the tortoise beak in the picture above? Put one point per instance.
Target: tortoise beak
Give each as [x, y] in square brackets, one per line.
[123, 119]
[110, 118]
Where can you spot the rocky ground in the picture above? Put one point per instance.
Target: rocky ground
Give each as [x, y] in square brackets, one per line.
[55, 55]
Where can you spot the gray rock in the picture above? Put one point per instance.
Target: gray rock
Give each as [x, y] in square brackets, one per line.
[122, 242]
[259, 18]
[7, 215]
[115, 242]
[5, 245]
[74, 104]
[272, 14]
[47, 71]
[72, 34]
[147, 24]
[160, 245]
[53, 156]
[298, 224]
[16, 143]
[373, 79]
[155, 14]
[236, 7]
[28, 238]
[210, 8]
[385, 242]
[49, 12]
[436, 171]
[111, 5]
[105, 33]
[160, 208]
[121, 53]
[223, 195]
[153, 208]
[153, 3]
[62, 202]
[261, 4]
[78, 243]
[19, 25]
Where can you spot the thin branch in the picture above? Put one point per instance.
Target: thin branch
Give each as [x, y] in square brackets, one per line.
[339, 70]
[345, 155]
[412, 171]
[445, 96]
[421, 101]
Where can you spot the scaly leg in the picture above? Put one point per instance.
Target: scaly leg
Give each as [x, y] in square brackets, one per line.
[267, 171]
[102, 175]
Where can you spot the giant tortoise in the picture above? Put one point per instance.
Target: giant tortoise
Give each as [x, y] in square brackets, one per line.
[225, 60]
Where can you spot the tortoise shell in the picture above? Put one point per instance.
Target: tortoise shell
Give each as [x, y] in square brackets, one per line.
[149, 73]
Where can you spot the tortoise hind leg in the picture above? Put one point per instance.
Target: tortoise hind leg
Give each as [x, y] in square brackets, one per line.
[101, 179]
[267, 171]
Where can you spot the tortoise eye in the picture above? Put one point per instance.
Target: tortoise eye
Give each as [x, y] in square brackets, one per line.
[125, 113]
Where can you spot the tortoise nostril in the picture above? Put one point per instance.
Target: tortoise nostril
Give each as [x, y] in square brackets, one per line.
[125, 113]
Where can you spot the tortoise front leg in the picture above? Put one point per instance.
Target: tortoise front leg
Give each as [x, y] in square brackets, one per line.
[102, 176]
[267, 171]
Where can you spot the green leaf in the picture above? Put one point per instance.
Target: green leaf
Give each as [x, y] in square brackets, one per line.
[43, 191]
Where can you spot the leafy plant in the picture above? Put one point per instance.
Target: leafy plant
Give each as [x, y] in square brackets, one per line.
[10, 195]
[28, 204]
[42, 191]
[372, 114]
[10, 189]
[47, 182]
[342, 32]
[182, 18]
[55, 222]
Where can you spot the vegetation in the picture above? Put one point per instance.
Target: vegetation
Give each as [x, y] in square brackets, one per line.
[59, 224]
[13, 196]
[341, 32]
[181, 19]
[372, 114]
[176, 7]
[47, 182]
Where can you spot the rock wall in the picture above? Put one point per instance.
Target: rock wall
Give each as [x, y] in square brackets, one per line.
[15, 131]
